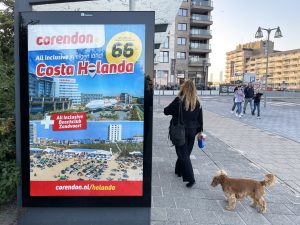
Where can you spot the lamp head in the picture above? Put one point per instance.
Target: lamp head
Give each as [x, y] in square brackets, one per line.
[278, 33]
[259, 33]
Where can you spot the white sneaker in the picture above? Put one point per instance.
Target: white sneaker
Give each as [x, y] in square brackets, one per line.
[232, 111]
[240, 115]
[258, 117]
[236, 114]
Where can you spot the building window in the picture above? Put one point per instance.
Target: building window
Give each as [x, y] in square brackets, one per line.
[166, 43]
[182, 12]
[181, 55]
[164, 57]
[181, 41]
[181, 26]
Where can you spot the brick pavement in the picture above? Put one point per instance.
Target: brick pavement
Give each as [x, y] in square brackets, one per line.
[8, 214]
[269, 151]
[280, 118]
[173, 203]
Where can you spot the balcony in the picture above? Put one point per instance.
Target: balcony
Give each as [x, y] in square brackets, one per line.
[201, 6]
[197, 61]
[198, 19]
[200, 33]
[199, 47]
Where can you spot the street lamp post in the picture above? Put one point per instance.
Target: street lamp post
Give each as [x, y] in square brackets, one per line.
[204, 74]
[259, 34]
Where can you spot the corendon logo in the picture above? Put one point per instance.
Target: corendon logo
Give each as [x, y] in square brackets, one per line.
[65, 39]
[60, 37]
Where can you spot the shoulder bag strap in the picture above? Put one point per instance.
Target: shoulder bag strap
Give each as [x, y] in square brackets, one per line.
[180, 117]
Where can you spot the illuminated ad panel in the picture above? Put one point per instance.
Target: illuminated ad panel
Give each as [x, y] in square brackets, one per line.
[86, 109]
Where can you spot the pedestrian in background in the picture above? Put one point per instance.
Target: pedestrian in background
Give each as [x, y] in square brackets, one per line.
[249, 94]
[257, 98]
[234, 103]
[239, 98]
[193, 123]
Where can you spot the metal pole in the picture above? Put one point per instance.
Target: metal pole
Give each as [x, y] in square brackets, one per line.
[19, 6]
[159, 91]
[131, 5]
[259, 35]
[267, 65]
[206, 75]
[203, 70]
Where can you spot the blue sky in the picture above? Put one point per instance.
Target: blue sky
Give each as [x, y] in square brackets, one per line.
[236, 22]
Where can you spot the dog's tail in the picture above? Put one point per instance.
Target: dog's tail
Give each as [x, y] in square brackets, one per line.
[269, 180]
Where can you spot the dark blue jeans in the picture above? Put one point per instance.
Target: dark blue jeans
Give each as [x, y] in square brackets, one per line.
[256, 105]
[239, 108]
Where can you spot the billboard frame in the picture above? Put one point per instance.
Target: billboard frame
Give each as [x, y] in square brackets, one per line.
[106, 18]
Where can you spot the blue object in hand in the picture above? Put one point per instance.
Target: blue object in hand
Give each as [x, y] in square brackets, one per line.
[201, 143]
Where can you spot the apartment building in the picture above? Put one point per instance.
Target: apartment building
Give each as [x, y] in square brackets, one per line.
[283, 66]
[32, 133]
[115, 132]
[68, 88]
[185, 52]
[41, 95]
[125, 98]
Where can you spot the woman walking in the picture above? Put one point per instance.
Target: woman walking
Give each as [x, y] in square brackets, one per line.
[193, 123]
[239, 98]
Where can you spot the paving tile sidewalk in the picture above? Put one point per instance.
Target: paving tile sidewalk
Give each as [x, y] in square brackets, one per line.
[270, 151]
[8, 214]
[173, 203]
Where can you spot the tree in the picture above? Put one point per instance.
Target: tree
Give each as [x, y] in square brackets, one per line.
[8, 171]
[7, 33]
[7, 60]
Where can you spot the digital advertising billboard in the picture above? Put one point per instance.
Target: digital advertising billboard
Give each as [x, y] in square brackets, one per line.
[85, 100]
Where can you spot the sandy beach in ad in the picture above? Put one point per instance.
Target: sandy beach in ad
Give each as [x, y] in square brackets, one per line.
[50, 167]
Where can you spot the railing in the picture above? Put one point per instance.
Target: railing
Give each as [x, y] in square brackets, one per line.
[270, 94]
[199, 18]
[175, 92]
[198, 60]
[199, 46]
[202, 3]
[200, 32]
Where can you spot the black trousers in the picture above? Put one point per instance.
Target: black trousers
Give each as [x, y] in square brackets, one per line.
[183, 165]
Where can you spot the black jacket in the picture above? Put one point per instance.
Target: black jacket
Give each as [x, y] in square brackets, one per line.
[249, 92]
[257, 97]
[192, 119]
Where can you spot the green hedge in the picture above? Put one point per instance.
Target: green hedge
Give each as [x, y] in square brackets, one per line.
[9, 173]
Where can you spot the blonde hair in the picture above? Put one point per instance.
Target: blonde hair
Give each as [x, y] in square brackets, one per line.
[188, 94]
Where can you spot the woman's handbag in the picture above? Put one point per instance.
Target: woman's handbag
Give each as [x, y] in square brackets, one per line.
[177, 130]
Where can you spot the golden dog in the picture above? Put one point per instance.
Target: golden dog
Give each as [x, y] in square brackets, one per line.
[238, 188]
